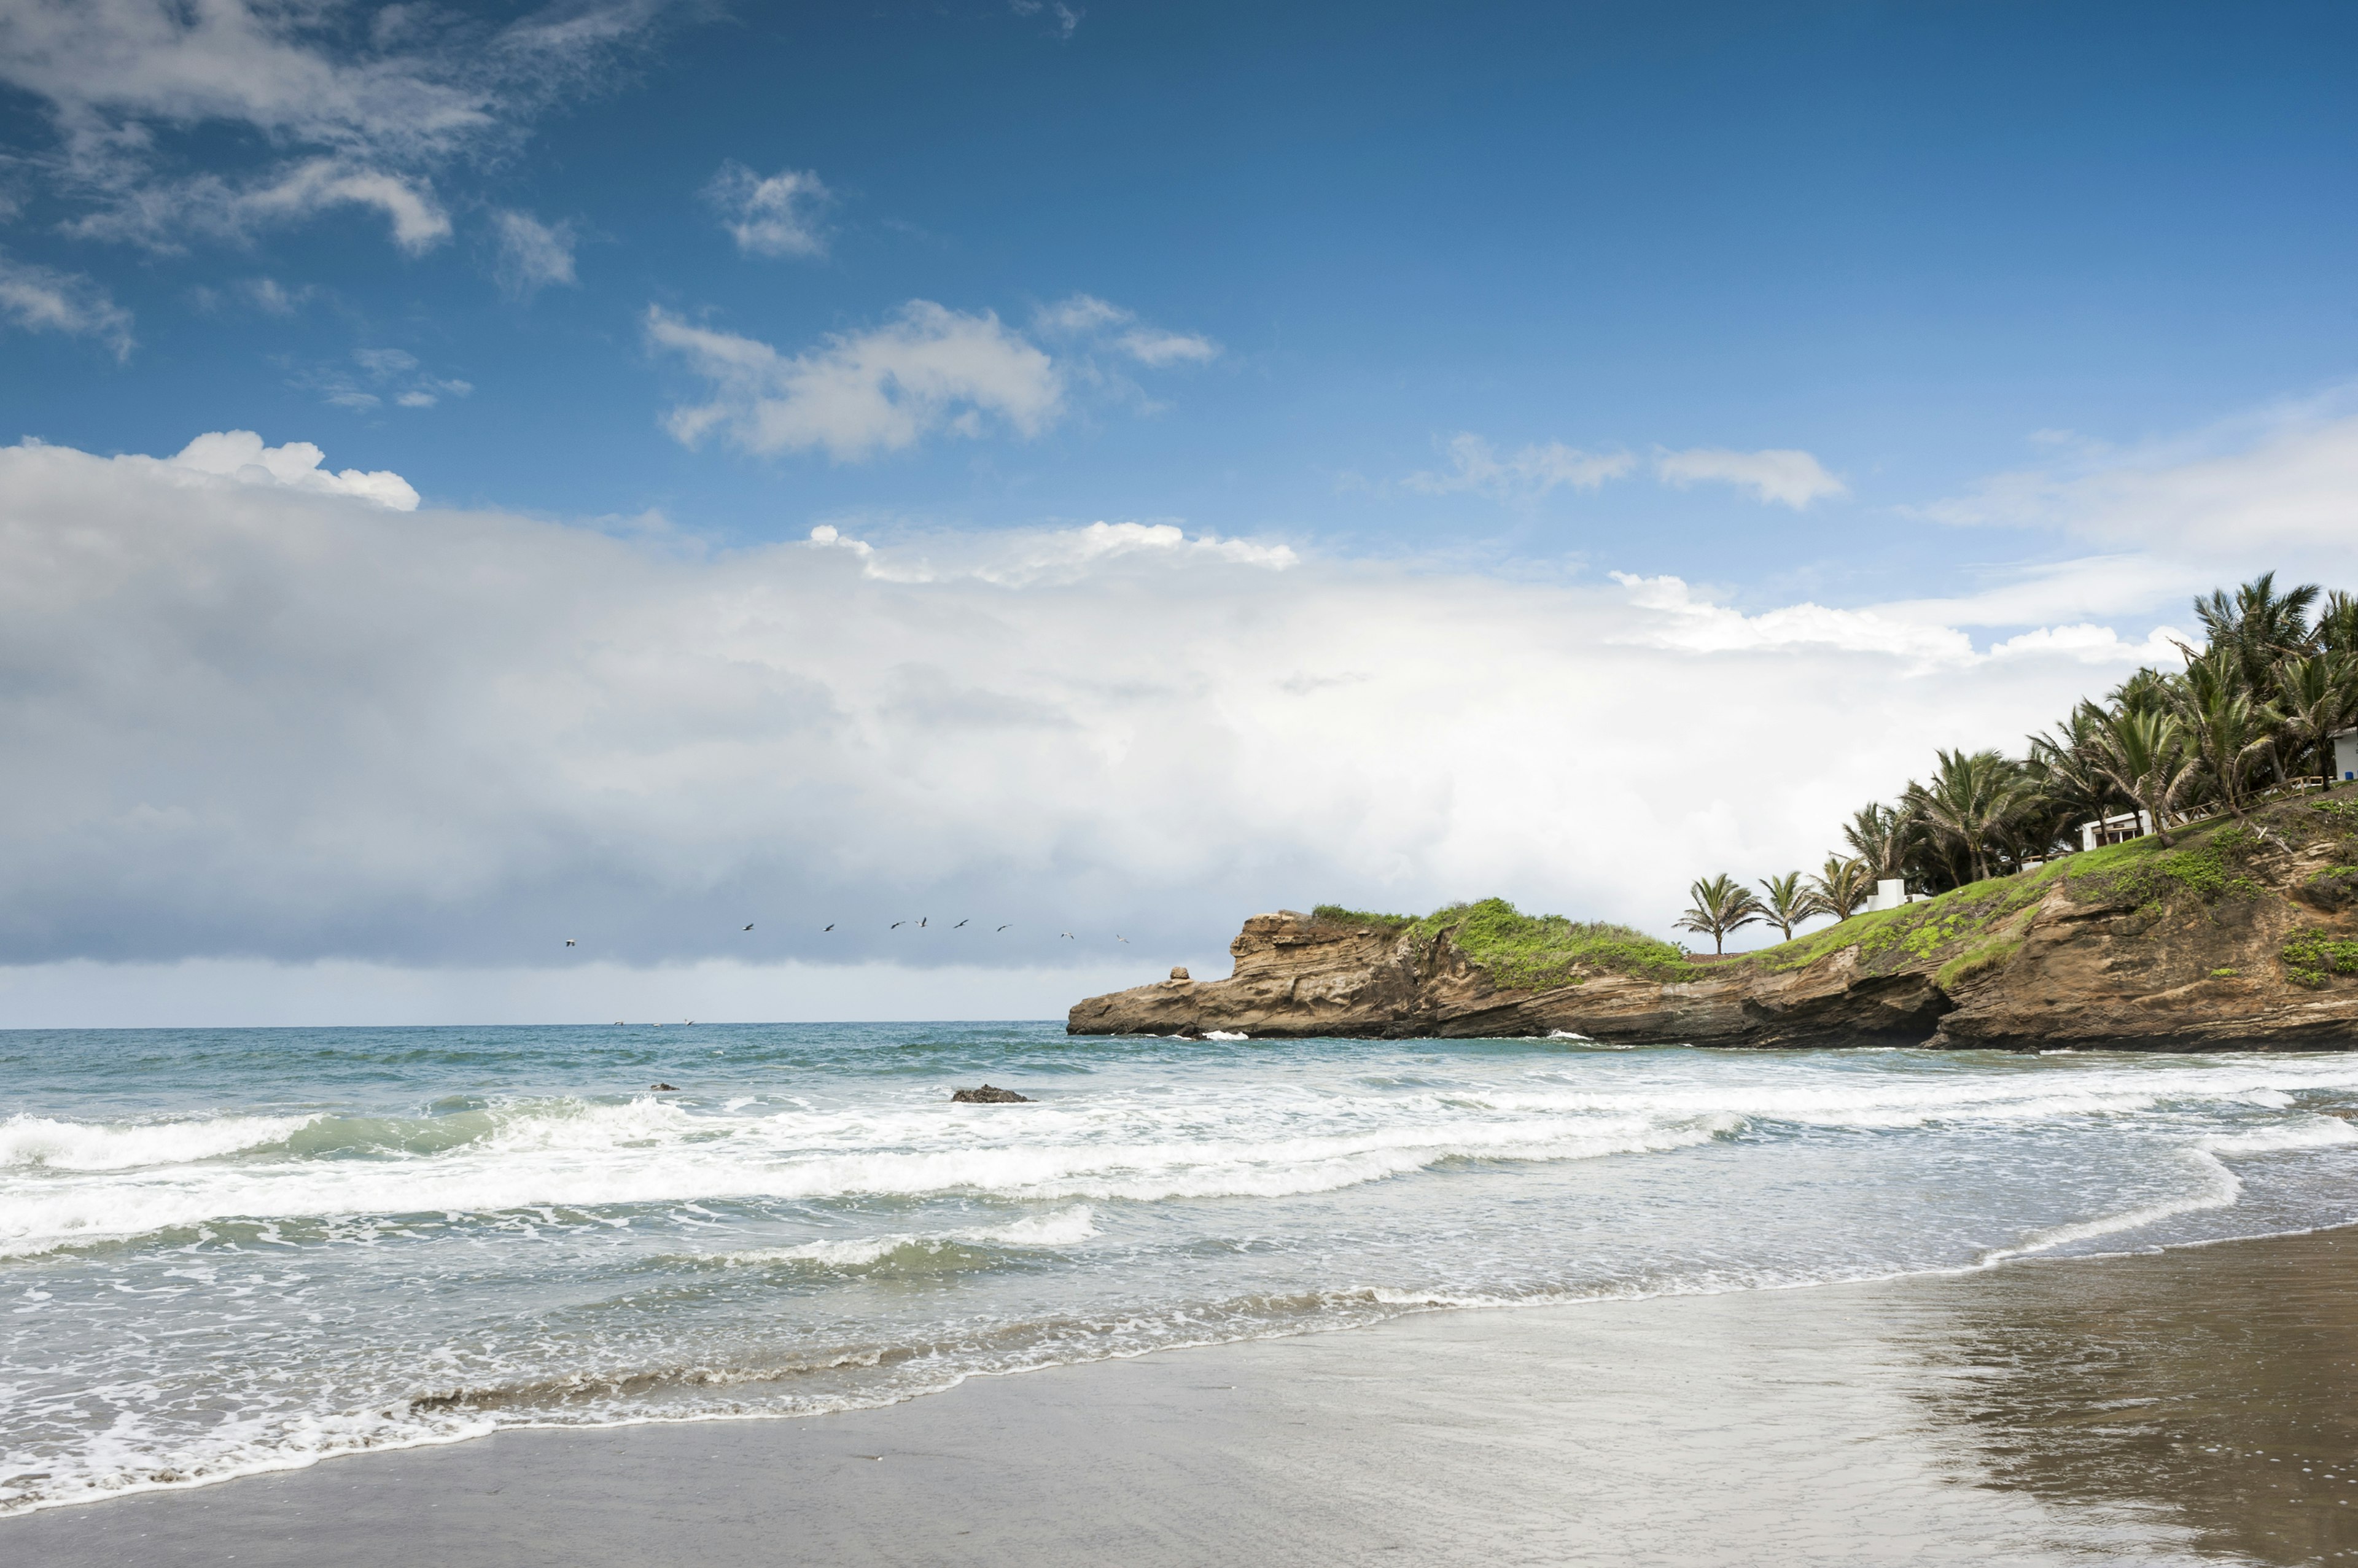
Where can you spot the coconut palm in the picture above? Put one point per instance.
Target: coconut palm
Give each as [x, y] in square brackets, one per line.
[2316, 696]
[2258, 626]
[2068, 788]
[1971, 804]
[2231, 733]
[2336, 631]
[1722, 904]
[1788, 902]
[2145, 754]
[1841, 886]
[1880, 837]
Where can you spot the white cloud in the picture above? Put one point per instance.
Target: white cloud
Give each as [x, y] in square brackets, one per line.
[1153, 347]
[776, 216]
[130, 85]
[1789, 478]
[1063, 18]
[1085, 316]
[256, 719]
[239, 455]
[1026, 557]
[381, 373]
[1681, 620]
[2278, 483]
[42, 299]
[1523, 474]
[857, 394]
[532, 255]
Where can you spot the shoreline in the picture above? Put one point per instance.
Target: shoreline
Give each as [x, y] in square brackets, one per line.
[1678, 1428]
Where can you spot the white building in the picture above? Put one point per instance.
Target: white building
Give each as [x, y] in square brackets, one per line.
[1890, 892]
[2346, 755]
[2114, 829]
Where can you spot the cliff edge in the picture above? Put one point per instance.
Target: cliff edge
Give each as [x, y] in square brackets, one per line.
[2242, 934]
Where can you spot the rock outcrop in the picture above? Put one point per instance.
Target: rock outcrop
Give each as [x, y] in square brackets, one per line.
[989, 1094]
[2241, 935]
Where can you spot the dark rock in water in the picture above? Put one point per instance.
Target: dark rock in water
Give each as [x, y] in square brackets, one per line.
[665, 1088]
[987, 1095]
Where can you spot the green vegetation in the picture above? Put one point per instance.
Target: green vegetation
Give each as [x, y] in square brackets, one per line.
[1534, 952]
[2253, 711]
[1335, 915]
[2311, 956]
[1722, 904]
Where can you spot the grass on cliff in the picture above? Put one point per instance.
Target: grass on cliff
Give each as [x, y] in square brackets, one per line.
[1975, 929]
[1966, 932]
[1529, 952]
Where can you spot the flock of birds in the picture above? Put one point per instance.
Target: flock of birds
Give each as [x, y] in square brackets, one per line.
[921, 923]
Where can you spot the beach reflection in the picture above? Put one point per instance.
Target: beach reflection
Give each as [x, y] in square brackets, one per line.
[2216, 1387]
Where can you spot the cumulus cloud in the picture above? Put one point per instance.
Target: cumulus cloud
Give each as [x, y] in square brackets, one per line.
[532, 255]
[927, 370]
[1528, 473]
[239, 455]
[257, 718]
[42, 299]
[776, 216]
[1785, 477]
[130, 85]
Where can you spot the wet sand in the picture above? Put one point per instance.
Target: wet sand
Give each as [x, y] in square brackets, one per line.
[2197, 1405]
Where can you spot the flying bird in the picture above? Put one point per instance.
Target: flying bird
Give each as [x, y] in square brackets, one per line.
[921, 922]
[1067, 935]
[829, 929]
[1004, 927]
[749, 926]
[569, 942]
[1119, 937]
[961, 923]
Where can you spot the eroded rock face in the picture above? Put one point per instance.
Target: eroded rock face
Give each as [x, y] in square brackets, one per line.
[989, 1095]
[2073, 963]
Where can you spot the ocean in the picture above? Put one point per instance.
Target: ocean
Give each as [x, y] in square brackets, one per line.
[225, 1251]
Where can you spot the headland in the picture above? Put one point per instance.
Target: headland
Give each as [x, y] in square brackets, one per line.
[2241, 933]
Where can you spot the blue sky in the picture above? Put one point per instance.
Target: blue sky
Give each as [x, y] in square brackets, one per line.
[1971, 320]
[1900, 238]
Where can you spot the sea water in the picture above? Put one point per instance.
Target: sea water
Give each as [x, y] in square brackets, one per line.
[225, 1251]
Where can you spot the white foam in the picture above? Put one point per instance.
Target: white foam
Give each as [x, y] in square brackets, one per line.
[1225, 1034]
[37, 1141]
[2215, 1188]
[1066, 1227]
[2311, 1132]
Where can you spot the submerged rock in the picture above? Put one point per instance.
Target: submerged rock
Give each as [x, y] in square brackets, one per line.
[663, 1088]
[989, 1095]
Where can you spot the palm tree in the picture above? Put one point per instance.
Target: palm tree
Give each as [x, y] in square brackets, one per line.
[2336, 631]
[1722, 904]
[2258, 626]
[1841, 886]
[1879, 835]
[1970, 803]
[2067, 787]
[1788, 904]
[2222, 723]
[2145, 754]
[2316, 696]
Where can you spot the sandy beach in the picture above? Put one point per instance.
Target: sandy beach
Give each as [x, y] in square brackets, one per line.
[2180, 1406]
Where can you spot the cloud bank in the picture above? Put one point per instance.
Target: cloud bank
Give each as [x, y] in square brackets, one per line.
[263, 712]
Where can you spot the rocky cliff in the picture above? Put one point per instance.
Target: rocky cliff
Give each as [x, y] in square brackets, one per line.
[2240, 935]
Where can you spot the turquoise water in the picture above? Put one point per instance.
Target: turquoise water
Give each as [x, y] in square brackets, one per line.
[223, 1251]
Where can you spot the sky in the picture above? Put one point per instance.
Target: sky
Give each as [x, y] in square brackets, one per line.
[623, 471]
